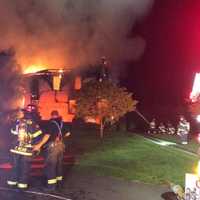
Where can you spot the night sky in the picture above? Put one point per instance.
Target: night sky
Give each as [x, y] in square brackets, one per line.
[164, 74]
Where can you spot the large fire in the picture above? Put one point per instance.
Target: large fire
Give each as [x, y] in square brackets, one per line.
[51, 100]
[43, 61]
[34, 69]
[39, 67]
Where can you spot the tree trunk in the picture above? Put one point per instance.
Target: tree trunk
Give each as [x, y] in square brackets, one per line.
[101, 129]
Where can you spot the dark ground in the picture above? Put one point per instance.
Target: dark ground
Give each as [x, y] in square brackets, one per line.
[79, 186]
[106, 188]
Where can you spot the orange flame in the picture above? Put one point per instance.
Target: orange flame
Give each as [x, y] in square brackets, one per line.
[34, 69]
[43, 61]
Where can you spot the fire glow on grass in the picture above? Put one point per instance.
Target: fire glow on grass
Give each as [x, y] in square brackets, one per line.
[198, 169]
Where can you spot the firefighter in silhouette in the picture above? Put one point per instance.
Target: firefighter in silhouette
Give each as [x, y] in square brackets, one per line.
[152, 127]
[170, 129]
[162, 128]
[54, 148]
[183, 129]
[26, 133]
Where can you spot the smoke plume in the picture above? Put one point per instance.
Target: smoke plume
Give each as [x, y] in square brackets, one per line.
[10, 82]
[71, 33]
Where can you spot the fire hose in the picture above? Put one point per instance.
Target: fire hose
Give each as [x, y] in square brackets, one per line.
[142, 116]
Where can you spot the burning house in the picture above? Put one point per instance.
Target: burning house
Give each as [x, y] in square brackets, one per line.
[54, 89]
[49, 89]
[64, 33]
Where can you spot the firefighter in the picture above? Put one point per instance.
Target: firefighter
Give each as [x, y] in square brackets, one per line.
[152, 127]
[31, 111]
[54, 149]
[162, 128]
[170, 129]
[183, 129]
[26, 133]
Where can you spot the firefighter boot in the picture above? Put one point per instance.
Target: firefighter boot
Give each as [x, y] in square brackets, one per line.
[60, 186]
[51, 188]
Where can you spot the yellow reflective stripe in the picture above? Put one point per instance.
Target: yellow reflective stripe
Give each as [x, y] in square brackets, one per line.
[11, 182]
[52, 181]
[21, 152]
[22, 185]
[59, 178]
[36, 134]
[14, 132]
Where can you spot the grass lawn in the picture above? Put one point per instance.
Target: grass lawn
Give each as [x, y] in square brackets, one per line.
[135, 158]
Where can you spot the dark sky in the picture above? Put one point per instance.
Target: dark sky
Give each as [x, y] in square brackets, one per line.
[165, 73]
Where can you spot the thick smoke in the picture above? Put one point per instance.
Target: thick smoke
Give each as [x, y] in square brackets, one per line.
[71, 32]
[10, 82]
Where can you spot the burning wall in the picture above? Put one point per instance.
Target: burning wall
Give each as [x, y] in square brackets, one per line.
[51, 95]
